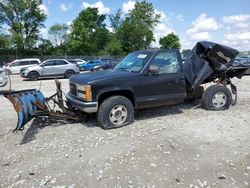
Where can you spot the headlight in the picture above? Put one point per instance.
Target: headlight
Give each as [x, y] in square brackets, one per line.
[84, 92]
[81, 87]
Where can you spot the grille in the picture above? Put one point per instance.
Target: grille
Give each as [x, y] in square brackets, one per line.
[73, 89]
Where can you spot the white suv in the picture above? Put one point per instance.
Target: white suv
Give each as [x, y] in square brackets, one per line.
[15, 66]
[3, 78]
[51, 68]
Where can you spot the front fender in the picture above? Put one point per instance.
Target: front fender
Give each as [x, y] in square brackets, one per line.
[115, 90]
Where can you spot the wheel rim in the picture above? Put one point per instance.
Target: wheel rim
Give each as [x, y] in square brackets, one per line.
[219, 99]
[69, 74]
[118, 115]
[33, 76]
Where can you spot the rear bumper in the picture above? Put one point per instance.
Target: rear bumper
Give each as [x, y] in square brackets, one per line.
[88, 107]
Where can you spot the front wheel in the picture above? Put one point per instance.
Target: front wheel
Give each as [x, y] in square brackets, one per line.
[217, 97]
[115, 112]
[33, 76]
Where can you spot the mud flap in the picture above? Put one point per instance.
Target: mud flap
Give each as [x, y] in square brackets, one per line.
[234, 94]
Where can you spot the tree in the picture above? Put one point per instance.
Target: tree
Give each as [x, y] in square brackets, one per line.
[136, 32]
[59, 37]
[45, 47]
[89, 35]
[5, 42]
[24, 18]
[58, 34]
[116, 20]
[114, 47]
[171, 41]
[186, 53]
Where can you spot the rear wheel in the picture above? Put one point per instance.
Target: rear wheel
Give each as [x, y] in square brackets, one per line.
[69, 73]
[115, 112]
[217, 97]
[33, 76]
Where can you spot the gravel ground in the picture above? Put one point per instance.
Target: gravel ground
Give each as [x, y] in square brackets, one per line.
[176, 146]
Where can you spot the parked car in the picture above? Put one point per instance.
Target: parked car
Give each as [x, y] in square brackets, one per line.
[151, 78]
[109, 64]
[77, 61]
[3, 78]
[243, 61]
[15, 66]
[50, 68]
[92, 64]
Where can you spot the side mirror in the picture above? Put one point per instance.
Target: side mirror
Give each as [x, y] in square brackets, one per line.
[154, 69]
[42, 65]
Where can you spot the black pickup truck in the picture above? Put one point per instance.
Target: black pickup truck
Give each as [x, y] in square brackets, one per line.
[156, 77]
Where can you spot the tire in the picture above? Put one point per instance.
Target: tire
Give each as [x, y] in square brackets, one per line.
[33, 76]
[216, 97]
[118, 106]
[69, 73]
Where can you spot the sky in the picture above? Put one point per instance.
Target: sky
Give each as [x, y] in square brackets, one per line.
[222, 21]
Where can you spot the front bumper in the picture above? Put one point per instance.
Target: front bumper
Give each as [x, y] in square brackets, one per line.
[88, 107]
[24, 74]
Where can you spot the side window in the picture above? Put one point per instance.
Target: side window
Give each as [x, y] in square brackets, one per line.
[49, 63]
[60, 62]
[167, 62]
[15, 64]
[34, 63]
[23, 63]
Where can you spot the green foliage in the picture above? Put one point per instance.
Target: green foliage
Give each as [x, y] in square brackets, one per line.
[144, 14]
[116, 20]
[89, 34]
[134, 37]
[114, 47]
[45, 48]
[58, 34]
[59, 38]
[186, 53]
[171, 41]
[24, 18]
[136, 32]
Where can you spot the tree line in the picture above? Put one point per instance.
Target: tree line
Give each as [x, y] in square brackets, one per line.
[87, 35]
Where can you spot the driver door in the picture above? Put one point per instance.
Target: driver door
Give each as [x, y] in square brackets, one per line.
[48, 68]
[166, 87]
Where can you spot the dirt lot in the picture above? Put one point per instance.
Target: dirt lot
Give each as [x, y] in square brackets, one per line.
[174, 146]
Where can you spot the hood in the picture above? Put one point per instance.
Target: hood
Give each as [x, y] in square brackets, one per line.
[91, 77]
[208, 58]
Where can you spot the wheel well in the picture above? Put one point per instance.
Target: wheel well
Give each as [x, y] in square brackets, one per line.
[69, 70]
[125, 93]
[34, 72]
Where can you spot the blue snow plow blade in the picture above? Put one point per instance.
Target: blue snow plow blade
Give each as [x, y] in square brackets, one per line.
[30, 104]
[27, 104]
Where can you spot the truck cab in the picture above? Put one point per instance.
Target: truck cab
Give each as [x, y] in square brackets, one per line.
[143, 79]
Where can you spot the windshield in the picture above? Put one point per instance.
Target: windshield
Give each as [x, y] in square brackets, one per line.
[134, 62]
